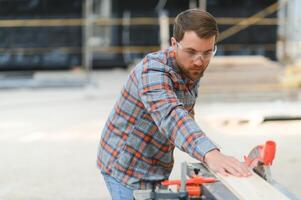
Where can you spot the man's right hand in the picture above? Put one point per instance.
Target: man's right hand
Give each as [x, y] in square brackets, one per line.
[226, 165]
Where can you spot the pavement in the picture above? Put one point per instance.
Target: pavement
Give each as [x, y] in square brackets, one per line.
[49, 138]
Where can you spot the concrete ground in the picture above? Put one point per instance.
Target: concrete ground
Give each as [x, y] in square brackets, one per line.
[49, 139]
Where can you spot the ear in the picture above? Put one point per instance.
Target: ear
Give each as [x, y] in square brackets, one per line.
[173, 42]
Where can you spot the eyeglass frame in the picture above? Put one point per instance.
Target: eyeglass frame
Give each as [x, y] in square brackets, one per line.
[195, 56]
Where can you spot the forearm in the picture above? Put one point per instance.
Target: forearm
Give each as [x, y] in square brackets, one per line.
[183, 131]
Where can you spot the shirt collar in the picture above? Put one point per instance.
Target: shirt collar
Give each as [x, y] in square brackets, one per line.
[173, 64]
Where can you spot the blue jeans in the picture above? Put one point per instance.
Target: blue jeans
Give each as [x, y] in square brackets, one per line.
[116, 189]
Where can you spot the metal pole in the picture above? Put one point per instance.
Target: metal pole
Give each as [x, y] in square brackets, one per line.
[281, 47]
[126, 22]
[87, 33]
[296, 31]
[164, 29]
[183, 176]
[203, 4]
[193, 4]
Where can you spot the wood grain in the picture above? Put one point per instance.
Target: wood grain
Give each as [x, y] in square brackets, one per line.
[251, 188]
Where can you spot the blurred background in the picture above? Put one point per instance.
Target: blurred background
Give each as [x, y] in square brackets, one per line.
[63, 63]
[58, 35]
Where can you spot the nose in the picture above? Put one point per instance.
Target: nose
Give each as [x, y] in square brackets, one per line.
[198, 61]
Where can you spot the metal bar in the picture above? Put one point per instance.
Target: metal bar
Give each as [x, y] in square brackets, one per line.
[164, 29]
[119, 21]
[126, 22]
[87, 54]
[203, 4]
[183, 176]
[120, 49]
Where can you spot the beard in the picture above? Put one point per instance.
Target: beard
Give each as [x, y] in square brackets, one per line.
[194, 72]
[190, 70]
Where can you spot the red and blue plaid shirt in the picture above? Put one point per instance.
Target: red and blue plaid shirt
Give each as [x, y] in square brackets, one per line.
[153, 114]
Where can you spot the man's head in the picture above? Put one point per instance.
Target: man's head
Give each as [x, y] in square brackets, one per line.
[194, 36]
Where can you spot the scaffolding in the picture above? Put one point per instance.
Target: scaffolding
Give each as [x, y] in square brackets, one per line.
[97, 36]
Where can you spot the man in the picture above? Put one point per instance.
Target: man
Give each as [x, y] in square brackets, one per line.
[154, 113]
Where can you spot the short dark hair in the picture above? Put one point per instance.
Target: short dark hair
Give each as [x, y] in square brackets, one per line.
[199, 21]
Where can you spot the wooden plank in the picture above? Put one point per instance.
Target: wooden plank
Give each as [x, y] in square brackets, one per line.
[233, 188]
[247, 188]
[251, 188]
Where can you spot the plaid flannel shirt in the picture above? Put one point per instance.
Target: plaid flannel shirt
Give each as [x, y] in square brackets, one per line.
[153, 114]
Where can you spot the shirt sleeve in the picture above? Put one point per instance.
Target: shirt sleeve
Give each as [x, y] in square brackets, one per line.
[158, 96]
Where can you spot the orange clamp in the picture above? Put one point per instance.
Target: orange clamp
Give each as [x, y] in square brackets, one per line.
[192, 185]
[269, 152]
[266, 154]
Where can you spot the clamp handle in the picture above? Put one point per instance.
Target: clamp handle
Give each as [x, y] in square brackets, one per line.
[265, 154]
[269, 152]
[192, 185]
[193, 181]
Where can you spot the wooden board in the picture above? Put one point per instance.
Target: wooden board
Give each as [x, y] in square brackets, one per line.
[248, 188]
[251, 188]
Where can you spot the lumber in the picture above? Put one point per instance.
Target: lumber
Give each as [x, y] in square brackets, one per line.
[251, 188]
[246, 188]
